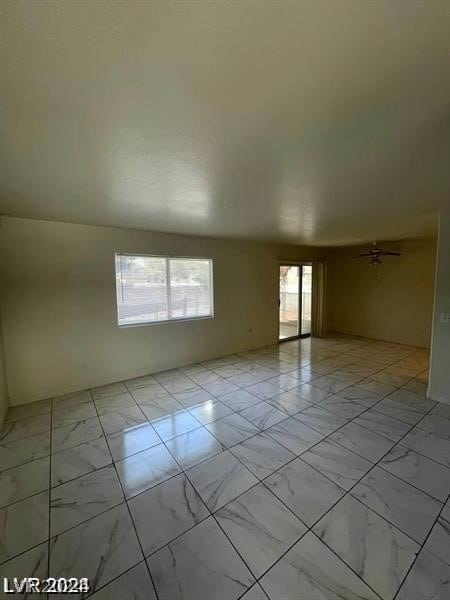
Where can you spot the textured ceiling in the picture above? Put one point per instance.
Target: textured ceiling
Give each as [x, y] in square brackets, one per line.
[316, 122]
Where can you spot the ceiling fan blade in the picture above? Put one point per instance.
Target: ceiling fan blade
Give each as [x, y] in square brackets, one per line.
[391, 253]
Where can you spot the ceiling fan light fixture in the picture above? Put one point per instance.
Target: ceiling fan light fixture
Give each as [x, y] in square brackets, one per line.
[374, 254]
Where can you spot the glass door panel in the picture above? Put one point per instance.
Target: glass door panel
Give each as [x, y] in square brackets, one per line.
[306, 300]
[289, 301]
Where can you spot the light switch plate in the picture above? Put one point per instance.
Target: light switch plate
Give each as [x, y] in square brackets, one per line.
[445, 318]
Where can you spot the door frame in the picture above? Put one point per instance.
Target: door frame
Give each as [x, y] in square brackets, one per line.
[299, 264]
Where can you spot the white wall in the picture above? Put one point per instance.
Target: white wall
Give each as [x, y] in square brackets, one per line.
[439, 386]
[59, 305]
[392, 302]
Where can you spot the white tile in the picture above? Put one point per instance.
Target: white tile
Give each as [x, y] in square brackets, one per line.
[429, 579]
[260, 527]
[73, 414]
[122, 419]
[111, 389]
[263, 415]
[128, 442]
[406, 507]
[24, 525]
[175, 424]
[193, 447]
[337, 463]
[210, 411]
[232, 430]
[372, 547]
[364, 442]
[430, 444]
[320, 419]
[76, 433]
[113, 403]
[239, 399]
[144, 470]
[134, 584]
[83, 498]
[439, 540]
[262, 455]
[220, 479]
[308, 493]
[23, 428]
[23, 481]
[17, 453]
[29, 410]
[294, 435]
[100, 549]
[166, 511]
[419, 471]
[32, 563]
[79, 460]
[220, 574]
[310, 571]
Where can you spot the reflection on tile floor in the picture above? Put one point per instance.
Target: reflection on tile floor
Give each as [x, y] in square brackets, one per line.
[312, 469]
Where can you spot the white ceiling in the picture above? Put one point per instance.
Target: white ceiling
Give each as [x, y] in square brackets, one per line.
[323, 122]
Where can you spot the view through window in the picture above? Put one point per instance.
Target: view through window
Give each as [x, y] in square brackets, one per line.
[152, 289]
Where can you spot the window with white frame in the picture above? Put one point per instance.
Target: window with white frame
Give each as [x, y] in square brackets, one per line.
[152, 289]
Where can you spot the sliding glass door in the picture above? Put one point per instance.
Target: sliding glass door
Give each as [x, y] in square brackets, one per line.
[295, 301]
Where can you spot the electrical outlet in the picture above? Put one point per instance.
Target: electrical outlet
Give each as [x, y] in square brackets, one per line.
[445, 318]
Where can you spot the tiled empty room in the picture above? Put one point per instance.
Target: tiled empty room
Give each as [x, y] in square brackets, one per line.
[225, 299]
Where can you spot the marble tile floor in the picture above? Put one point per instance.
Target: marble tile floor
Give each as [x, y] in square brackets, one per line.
[310, 470]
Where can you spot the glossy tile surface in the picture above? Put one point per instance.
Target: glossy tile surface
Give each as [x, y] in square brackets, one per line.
[132, 440]
[79, 460]
[120, 420]
[146, 469]
[304, 490]
[439, 540]
[262, 455]
[406, 507]
[215, 474]
[429, 579]
[364, 442]
[166, 511]
[260, 527]
[100, 549]
[82, 498]
[220, 479]
[337, 463]
[135, 584]
[311, 571]
[194, 447]
[418, 470]
[32, 563]
[206, 553]
[18, 453]
[232, 430]
[23, 525]
[377, 551]
[23, 481]
[294, 435]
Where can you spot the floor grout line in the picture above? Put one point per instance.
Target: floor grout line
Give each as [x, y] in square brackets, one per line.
[130, 515]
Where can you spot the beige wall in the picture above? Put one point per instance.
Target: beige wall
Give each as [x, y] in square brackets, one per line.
[439, 386]
[59, 305]
[3, 386]
[392, 302]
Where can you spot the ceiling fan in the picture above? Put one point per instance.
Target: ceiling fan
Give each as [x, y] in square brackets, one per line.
[375, 253]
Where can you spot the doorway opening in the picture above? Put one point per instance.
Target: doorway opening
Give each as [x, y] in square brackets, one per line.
[295, 301]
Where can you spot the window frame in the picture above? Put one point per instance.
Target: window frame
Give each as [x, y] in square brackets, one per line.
[167, 258]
